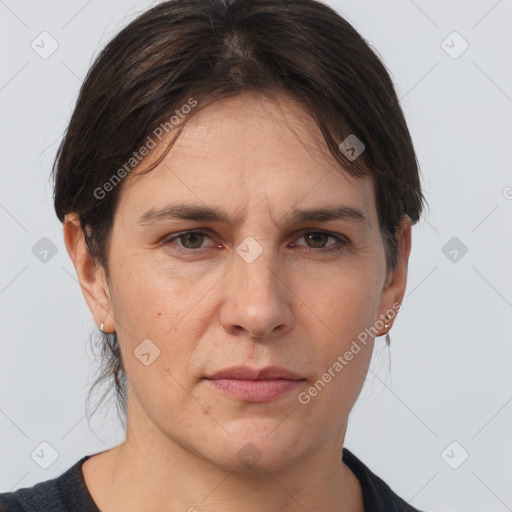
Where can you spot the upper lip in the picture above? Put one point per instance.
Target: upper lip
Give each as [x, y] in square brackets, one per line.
[247, 373]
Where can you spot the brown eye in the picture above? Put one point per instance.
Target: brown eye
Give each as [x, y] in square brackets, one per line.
[316, 240]
[192, 240]
[189, 242]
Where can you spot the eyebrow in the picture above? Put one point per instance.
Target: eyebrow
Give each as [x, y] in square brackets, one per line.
[206, 213]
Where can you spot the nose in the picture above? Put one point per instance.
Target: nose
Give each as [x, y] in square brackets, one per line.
[257, 299]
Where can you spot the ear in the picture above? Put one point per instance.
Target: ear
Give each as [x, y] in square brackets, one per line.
[394, 288]
[91, 274]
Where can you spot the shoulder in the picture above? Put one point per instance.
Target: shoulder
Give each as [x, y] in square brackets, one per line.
[66, 492]
[377, 495]
[41, 496]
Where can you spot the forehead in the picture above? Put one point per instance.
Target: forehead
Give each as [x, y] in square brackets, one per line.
[249, 152]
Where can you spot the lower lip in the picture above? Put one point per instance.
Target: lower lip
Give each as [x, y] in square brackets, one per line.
[255, 390]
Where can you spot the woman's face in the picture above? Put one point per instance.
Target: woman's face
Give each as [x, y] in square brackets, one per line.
[258, 285]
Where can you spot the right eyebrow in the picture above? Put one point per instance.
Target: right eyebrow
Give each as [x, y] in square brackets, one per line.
[183, 212]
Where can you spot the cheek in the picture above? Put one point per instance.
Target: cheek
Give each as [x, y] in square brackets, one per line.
[345, 301]
[148, 302]
[343, 308]
[174, 315]
[342, 357]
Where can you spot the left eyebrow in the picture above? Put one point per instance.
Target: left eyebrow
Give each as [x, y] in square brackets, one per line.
[208, 214]
[346, 213]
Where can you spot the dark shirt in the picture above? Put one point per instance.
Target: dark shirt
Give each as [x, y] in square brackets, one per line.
[69, 493]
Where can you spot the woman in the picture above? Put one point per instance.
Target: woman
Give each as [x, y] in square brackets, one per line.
[237, 187]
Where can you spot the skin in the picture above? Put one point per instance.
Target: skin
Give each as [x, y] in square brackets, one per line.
[295, 306]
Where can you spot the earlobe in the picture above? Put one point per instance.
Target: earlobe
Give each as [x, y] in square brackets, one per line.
[90, 273]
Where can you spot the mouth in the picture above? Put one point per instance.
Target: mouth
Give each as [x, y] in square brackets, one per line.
[254, 385]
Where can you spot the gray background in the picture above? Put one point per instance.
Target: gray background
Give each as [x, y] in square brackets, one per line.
[447, 377]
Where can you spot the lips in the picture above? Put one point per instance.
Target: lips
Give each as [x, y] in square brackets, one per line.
[254, 385]
[247, 373]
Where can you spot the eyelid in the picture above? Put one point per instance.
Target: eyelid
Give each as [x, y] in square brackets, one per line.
[316, 230]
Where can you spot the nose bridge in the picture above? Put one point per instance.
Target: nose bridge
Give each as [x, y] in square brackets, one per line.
[256, 300]
[255, 266]
[255, 272]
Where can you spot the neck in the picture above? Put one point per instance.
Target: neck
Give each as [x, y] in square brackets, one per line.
[151, 471]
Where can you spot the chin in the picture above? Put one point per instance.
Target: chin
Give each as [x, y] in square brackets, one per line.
[263, 450]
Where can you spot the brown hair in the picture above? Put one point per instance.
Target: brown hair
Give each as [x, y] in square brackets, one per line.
[213, 49]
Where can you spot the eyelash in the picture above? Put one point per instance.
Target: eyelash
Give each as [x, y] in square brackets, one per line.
[337, 248]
